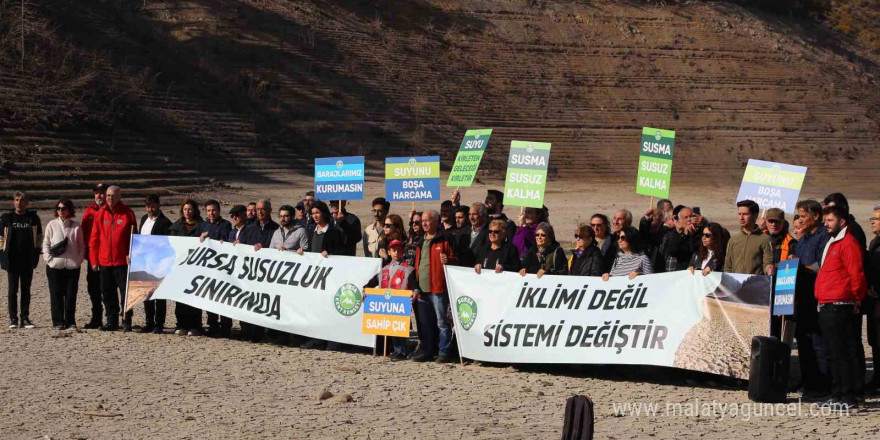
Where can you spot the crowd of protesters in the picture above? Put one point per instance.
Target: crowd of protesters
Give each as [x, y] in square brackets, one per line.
[838, 276]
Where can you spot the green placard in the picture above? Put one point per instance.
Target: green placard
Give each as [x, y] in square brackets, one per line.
[526, 174]
[655, 162]
[470, 153]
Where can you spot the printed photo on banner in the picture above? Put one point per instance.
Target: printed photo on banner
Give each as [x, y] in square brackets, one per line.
[655, 162]
[470, 153]
[526, 174]
[772, 184]
[412, 179]
[151, 260]
[339, 178]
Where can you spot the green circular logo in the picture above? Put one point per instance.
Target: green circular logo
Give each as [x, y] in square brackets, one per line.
[467, 311]
[348, 300]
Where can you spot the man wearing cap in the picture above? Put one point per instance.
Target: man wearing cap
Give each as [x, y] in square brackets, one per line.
[240, 224]
[154, 222]
[93, 277]
[784, 247]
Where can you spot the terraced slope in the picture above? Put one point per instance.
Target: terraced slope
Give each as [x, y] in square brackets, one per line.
[254, 89]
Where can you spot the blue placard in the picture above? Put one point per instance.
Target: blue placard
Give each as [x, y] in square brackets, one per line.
[388, 305]
[339, 178]
[783, 296]
[772, 184]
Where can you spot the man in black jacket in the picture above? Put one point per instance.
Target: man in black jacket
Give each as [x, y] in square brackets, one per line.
[263, 228]
[871, 304]
[22, 237]
[350, 225]
[154, 222]
[679, 244]
[217, 228]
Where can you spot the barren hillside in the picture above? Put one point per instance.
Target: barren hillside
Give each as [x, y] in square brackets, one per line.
[260, 87]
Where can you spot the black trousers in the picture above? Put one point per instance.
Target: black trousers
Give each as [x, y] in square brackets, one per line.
[188, 317]
[93, 279]
[63, 284]
[113, 280]
[811, 351]
[155, 311]
[873, 336]
[839, 325]
[215, 320]
[20, 277]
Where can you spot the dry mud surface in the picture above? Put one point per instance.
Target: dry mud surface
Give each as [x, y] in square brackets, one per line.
[94, 385]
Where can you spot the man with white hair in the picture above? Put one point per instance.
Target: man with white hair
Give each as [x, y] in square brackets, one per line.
[109, 243]
[623, 218]
[430, 292]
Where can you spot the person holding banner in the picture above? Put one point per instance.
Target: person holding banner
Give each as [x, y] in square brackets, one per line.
[546, 256]
[631, 261]
[189, 224]
[108, 248]
[240, 224]
[64, 250]
[323, 237]
[154, 222]
[498, 253]
[290, 235]
[432, 300]
[710, 256]
[217, 228]
[586, 259]
[605, 240]
[264, 228]
[399, 276]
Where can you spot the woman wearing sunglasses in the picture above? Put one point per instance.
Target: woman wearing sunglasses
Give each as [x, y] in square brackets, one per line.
[631, 261]
[498, 254]
[64, 249]
[546, 256]
[712, 248]
[586, 258]
[392, 229]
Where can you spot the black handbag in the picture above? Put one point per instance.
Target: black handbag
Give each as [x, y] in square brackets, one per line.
[58, 248]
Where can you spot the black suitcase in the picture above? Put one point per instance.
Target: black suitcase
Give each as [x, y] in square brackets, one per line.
[768, 370]
[578, 424]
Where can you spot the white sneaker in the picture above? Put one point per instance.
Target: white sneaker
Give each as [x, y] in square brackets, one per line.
[180, 332]
[26, 323]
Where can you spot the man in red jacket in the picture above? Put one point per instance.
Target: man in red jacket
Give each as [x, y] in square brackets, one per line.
[840, 289]
[108, 252]
[432, 301]
[93, 278]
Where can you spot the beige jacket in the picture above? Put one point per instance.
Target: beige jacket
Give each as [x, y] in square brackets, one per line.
[75, 253]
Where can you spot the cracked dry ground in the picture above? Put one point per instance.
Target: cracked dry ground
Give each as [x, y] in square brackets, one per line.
[94, 385]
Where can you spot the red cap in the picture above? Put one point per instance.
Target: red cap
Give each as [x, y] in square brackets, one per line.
[395, 243]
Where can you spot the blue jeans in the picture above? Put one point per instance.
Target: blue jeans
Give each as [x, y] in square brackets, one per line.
[436, 336]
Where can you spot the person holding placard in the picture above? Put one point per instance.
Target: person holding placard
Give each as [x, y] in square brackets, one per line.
[397, 275]
[371, 234]
[350, 225]
[631, 261]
